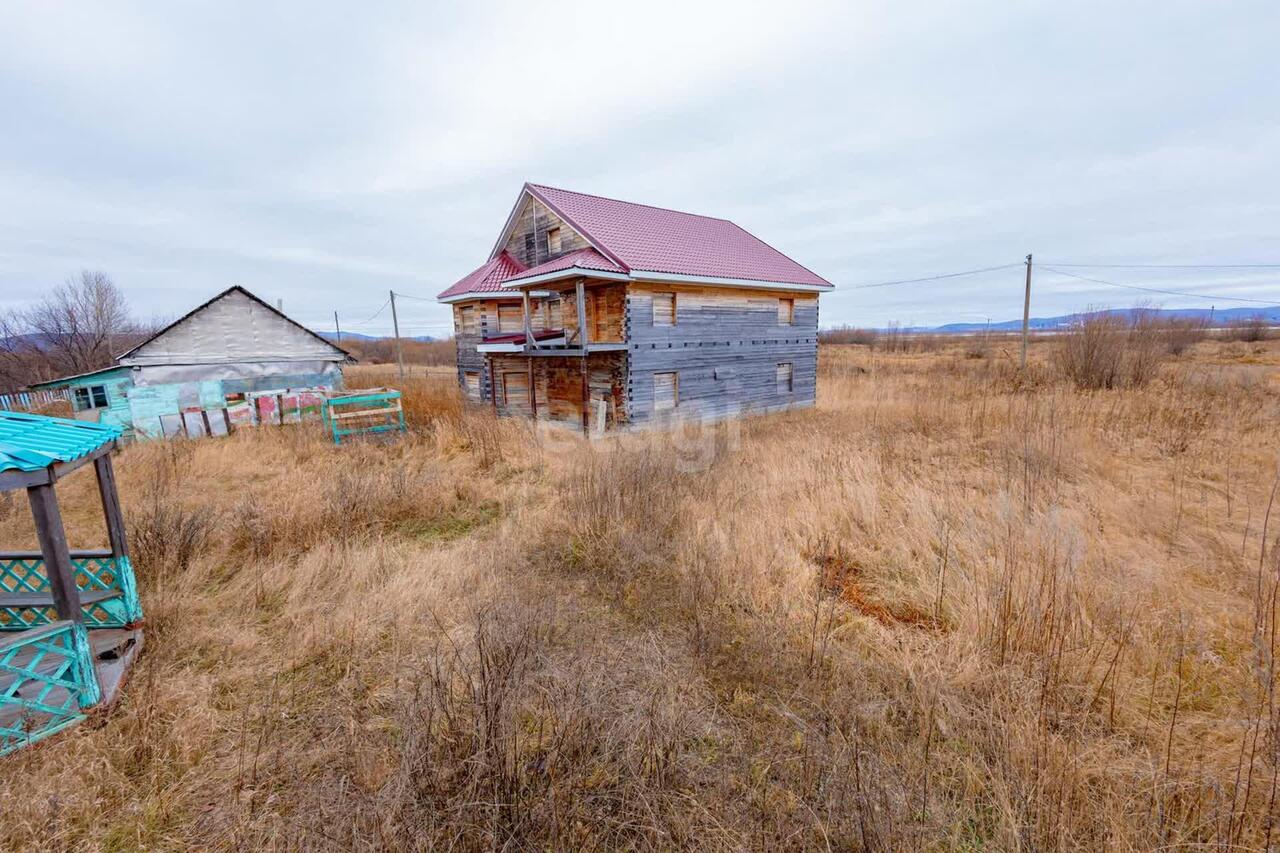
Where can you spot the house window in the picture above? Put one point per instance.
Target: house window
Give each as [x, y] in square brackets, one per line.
[510, 319]
[471, 379]
[666, 391]
[467, 323]
[554, 313]
[515, 388]
[553, 241]
[664, 309]
[786, 312]
[784, 378]
[91, 397]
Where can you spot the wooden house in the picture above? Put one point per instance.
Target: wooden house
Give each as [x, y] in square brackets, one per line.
[603, 313]
[218, 366]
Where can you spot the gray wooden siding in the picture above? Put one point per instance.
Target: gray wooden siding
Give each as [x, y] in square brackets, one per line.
[726, 346]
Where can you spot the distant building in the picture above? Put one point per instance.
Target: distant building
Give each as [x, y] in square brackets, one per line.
[233, 360]
[604, 313]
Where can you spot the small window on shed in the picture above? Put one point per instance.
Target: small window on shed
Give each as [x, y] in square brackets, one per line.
[510, 319]
[467, 322]
[666, 391]
[91, 397]
[786, 312]
[471, 378]
[664, 309]
[784, 378]
[553, 241]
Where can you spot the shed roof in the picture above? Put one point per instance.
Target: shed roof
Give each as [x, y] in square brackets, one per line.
[63, 380]
[235, 289]
[34, 442]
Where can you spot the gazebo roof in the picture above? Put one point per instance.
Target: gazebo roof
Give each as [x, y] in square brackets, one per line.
[34, 442]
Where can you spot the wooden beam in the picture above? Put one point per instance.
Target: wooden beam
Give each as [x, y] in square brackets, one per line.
[529, 342]
[53, 547]
[111, 506]
[586, 393]
[14, 479]
[582, 314]
[493, 386]
[533, 394]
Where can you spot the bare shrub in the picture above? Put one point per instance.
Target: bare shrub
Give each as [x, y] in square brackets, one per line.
[848, 335]
[1182, 334]
[166, 531]
[1106, 350]
[1251, 330]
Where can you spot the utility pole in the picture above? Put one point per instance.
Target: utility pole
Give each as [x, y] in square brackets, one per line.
[1026, 314]
[336, 327]
[395, 324]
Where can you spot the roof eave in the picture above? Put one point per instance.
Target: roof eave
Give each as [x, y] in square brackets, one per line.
[568, 272]
[681, 278]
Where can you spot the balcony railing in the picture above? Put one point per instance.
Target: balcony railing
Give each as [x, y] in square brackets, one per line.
[46, 683]
[108, 591]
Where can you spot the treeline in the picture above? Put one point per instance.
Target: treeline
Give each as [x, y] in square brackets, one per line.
[383, 351]
[1177, 333]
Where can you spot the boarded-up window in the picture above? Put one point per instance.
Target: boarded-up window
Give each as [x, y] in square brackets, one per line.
[666, 391]
[555, 313]
[784, 378]
[786, 312]
[553, 240]
[664, 309]
[472, 380]
[510, 319]
[515, 388]
[468, 323]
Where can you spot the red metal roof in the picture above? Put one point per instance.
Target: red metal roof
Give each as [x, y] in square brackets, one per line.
[587, 259]
[654, 239]
[488, 278]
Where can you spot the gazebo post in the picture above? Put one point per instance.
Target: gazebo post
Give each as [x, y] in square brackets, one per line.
[57, 556]
[111, 505]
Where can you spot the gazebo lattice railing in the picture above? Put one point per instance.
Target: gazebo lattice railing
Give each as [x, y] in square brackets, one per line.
[72, 618]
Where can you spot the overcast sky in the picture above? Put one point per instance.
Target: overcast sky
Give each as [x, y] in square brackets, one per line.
[325, 155]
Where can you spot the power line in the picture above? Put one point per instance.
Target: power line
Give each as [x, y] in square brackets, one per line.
[1173, 266]
[932, 277]
[1158, 290]
[419, 298]
[375, 313]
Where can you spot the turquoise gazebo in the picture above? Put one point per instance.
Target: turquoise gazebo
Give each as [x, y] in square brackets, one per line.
[70, 620]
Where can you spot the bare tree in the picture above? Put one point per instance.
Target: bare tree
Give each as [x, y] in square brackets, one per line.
[79, 326]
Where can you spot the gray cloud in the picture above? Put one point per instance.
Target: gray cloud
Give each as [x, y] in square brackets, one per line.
[324, 155]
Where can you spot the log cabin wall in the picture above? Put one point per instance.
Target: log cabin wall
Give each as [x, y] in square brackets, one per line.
[606, 306]
[528, 240]
[557, 385]
[726, 347]
[484, 325]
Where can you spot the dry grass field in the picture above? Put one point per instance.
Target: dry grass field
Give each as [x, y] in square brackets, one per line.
[952, 607]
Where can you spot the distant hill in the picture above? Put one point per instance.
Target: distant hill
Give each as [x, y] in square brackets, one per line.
[1217, 317]
[356, 336]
